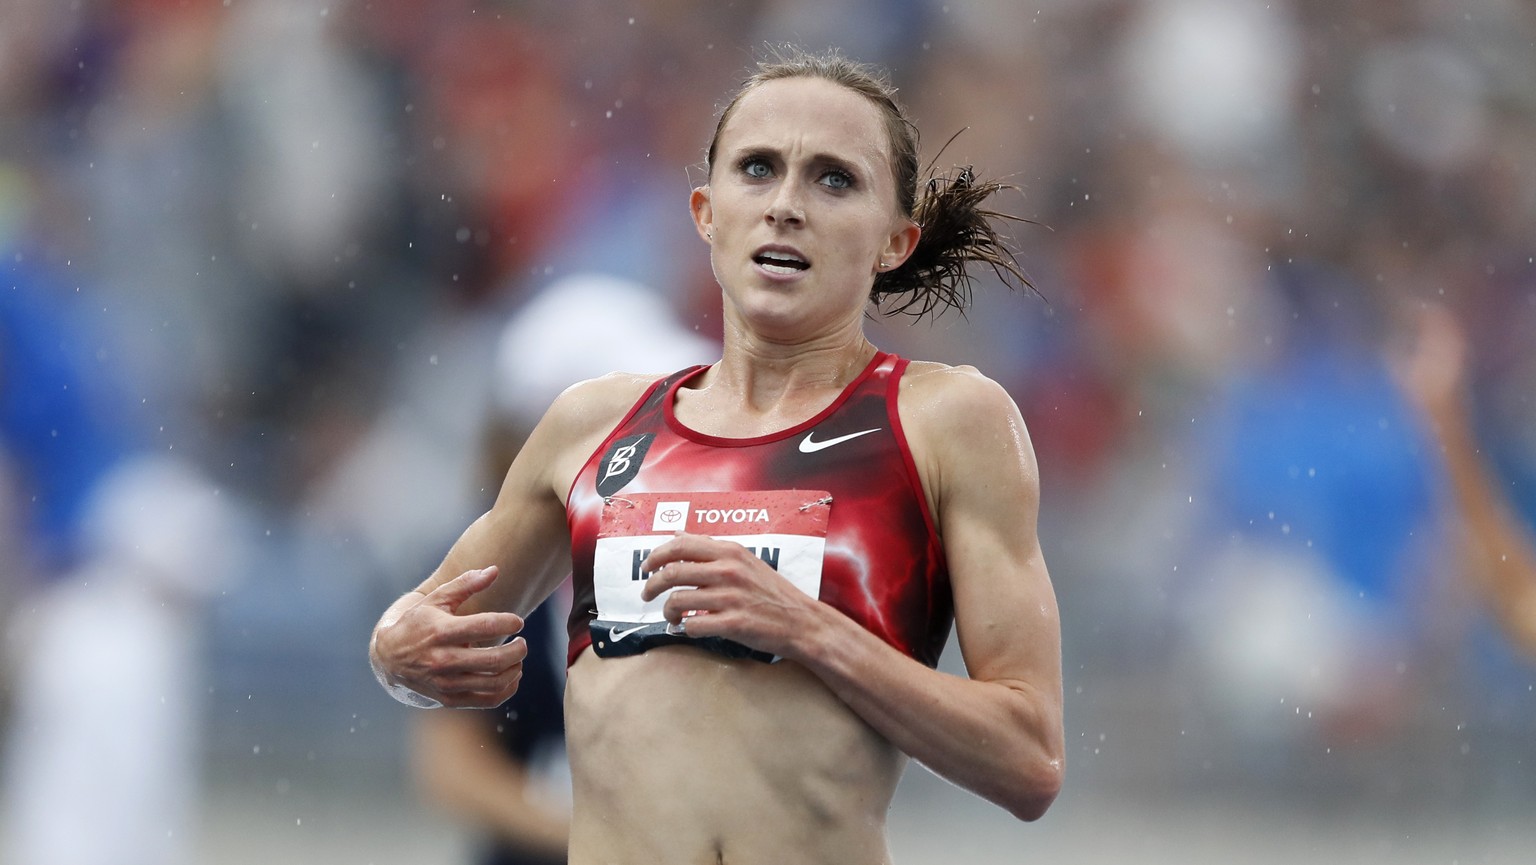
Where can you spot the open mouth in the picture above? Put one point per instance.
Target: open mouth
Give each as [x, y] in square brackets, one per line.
[781, 262]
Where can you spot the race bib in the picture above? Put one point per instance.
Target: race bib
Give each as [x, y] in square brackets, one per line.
[787, 529]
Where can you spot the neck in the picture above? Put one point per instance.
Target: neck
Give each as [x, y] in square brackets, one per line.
[765, 375]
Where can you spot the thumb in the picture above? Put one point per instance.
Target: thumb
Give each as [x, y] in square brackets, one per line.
[452, 594]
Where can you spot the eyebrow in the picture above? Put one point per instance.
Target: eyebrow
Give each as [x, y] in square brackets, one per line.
[819, 158]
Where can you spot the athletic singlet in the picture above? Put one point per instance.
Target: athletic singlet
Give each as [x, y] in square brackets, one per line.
[833, 503]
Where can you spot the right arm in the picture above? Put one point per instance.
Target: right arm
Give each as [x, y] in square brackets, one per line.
[442, 643]
[1498, 551]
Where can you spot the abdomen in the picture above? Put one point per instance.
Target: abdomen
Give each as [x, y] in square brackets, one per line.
[679, 755]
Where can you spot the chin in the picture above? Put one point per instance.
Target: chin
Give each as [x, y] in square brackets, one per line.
[785, 311]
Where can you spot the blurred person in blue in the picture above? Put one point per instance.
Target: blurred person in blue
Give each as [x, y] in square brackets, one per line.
[502, 771]
[122, 546]
[750, 704]
[1311, 591]
[63, 422]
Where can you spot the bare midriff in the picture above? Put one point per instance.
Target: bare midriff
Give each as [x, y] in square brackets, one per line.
[682, 756]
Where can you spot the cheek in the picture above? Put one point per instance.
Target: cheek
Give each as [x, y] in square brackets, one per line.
[863, 242]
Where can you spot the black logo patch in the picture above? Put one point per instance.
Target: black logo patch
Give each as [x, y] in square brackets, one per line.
[621, 462]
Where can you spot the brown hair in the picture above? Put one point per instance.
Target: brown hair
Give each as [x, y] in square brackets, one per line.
[956, 229]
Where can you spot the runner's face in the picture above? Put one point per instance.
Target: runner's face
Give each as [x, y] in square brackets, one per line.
[800, 209]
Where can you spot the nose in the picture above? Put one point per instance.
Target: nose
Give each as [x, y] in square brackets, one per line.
[785, 208]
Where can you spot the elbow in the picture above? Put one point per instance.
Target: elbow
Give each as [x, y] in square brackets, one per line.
[1036, 788]
[1032, 809]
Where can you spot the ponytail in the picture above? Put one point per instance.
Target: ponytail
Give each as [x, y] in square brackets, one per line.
[956, 231]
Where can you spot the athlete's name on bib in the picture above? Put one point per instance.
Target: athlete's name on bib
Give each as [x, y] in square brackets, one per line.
[769, 555]
[786, 529]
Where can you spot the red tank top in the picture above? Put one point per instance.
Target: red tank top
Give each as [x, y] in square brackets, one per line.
[882, 564]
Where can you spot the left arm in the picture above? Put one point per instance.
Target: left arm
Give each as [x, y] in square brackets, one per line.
[998, 733]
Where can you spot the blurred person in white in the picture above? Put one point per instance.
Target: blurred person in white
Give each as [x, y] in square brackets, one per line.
[122, 543]
[102, 750]
[917, 494]
[502, 771]
[1496, 549]
[116, 551]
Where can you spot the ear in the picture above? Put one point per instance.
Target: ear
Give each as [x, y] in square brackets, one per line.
[703, 212]
[900, 246]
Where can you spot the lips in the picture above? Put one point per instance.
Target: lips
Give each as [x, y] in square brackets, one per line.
[780, 259]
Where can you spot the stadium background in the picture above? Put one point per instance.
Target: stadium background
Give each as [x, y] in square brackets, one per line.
[276, 241]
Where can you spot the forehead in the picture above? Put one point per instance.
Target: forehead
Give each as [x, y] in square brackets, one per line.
[810, 114]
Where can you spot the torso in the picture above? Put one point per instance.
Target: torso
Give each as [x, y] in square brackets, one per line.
[882, 566]
[684, 755]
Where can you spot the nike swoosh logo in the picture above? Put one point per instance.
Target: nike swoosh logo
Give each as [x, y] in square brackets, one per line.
[616, 635]
[809, 447]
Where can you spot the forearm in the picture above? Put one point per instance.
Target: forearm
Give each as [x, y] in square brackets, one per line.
[1001, 740]
[532, 559]
[1500, 553]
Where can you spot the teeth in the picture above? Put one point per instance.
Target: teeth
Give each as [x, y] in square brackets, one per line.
[779, 262]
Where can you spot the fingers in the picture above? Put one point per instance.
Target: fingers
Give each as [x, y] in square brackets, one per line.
[463, 676]
[690, 560]
[471, 627]
[694, 623]
[670, 577]
[482, 627]
[452, 594]
[688, 548]
[457, 659]
[484, 692]
[451, 661]
[690, 604]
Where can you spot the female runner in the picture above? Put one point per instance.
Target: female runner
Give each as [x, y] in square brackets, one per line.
[768, 552]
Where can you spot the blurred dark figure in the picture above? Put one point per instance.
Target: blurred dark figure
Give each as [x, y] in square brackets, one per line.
[492, 768]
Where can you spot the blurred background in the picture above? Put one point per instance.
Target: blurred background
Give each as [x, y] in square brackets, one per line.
[258, 259]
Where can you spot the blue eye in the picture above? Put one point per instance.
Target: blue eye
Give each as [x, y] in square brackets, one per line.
[756, 167]
[836, 179]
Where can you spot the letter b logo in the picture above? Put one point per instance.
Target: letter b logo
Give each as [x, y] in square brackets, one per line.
[621, 462]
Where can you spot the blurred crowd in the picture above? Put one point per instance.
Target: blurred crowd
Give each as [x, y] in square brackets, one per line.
[256, 257]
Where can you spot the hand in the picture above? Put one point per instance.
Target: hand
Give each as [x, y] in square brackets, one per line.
[450, 658]
[723, 590]
[1433, 372]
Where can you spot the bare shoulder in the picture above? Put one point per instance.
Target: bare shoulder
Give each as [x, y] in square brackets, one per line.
[573, 427]
[965, 433]
[596, 404]
[939, 398]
